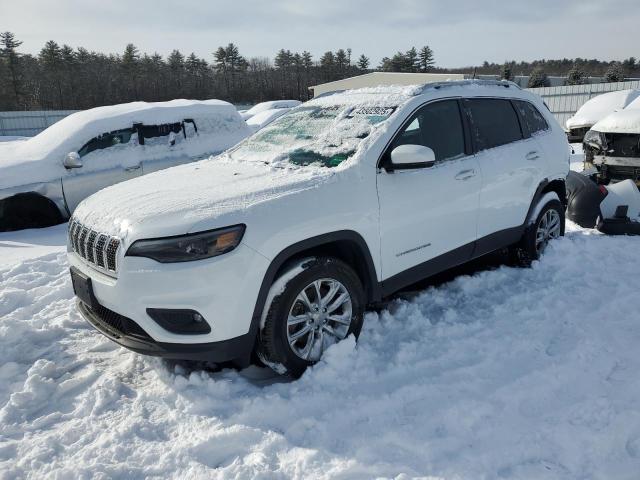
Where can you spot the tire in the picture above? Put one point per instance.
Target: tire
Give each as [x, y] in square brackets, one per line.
[295, 335]
[28, 210]
[532, 246]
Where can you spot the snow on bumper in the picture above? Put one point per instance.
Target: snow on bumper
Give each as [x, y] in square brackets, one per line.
[222, 289]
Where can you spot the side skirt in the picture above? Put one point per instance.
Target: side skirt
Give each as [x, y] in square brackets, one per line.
[458, 256]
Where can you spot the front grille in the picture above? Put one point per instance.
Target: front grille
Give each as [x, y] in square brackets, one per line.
[98, 249]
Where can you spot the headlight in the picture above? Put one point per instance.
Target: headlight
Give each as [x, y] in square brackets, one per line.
[594, 139]
[187, 248]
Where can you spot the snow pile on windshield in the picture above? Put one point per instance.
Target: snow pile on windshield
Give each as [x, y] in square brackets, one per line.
[624, 121]
[325, 131]
[272, 105]
[506, 374]
[599, 107]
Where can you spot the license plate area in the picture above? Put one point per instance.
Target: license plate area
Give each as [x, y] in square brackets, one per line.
[83, 288]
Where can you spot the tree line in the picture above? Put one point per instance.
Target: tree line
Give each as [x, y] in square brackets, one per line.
[64, 78]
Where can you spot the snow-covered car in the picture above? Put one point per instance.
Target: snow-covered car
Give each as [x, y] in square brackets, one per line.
[284, 105]
[44, 178]
[277, 246]
[595, 110]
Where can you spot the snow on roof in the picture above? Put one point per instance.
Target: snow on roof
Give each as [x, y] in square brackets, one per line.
[99, 120]
[623, 121]
[599, 107]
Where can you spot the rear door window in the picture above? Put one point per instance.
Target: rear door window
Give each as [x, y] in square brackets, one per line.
[494, 122]
[159, 134]
[532, 120]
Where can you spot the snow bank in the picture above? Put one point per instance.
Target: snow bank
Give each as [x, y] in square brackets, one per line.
[599, 107]
[624, 121]
[40, 158]
[272, 105]
[510, 373]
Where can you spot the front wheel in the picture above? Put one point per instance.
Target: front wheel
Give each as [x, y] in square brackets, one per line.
[548, 225]
[321, 302]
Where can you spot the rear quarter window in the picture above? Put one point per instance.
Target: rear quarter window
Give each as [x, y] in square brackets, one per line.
[494, 122]
[532, 120]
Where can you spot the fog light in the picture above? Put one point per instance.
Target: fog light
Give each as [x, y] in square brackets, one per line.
[182, 322]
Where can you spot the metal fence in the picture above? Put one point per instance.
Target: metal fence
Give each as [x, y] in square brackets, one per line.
[565, 101]
[29, 123]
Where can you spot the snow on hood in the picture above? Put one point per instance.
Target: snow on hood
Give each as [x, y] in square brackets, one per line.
[272, 105]
[624, 121]
[69, 134]
[171, 201]
[599, 107]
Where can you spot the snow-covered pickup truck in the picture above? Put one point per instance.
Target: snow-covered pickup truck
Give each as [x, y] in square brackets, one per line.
[44, 178]
[277, 246]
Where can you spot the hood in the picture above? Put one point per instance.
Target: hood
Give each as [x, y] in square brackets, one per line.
[599, 107]
[624, 121]
[199, 196]
[19, 166]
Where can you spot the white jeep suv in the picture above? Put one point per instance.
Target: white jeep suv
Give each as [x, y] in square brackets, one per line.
[277, 246]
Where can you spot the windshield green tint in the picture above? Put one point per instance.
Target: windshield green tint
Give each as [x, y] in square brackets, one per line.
[313, 135]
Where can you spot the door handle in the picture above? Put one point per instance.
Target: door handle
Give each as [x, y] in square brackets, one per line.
[131, 169]
[465, 174]
[532, 155]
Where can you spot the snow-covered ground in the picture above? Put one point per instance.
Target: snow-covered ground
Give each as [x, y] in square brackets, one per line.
[508, 373]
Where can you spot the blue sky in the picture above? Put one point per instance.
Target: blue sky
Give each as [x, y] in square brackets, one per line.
[463, 32]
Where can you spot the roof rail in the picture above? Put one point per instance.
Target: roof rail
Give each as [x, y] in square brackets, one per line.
[460, 83]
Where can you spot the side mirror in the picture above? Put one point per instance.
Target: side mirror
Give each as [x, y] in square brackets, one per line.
[72, 160]
[412, 156]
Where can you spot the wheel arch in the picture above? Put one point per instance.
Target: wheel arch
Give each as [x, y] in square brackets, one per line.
[10, 204]
[347, 245]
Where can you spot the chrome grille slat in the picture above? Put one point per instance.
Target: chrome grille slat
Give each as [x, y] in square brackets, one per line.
[98, 249]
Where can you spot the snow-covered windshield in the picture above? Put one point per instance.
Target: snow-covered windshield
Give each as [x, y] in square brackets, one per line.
[321, 135]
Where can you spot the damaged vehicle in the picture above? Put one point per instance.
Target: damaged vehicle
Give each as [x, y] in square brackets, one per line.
[595, 110]
[44, 178]
[605, 195]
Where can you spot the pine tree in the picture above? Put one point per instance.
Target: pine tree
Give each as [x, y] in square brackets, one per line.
[341, 60]
[615, 73]
[426, 60]
[11, 57]
[363, 63]
[412, 60]
[538, 78]
[51, 59]
[576, 75]
[507, 72]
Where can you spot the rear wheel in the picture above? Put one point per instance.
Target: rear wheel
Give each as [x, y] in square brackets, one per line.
[548, 226]
[322, 302]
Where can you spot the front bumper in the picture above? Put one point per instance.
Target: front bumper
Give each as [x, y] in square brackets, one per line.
[126, 333]
[222, 289]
